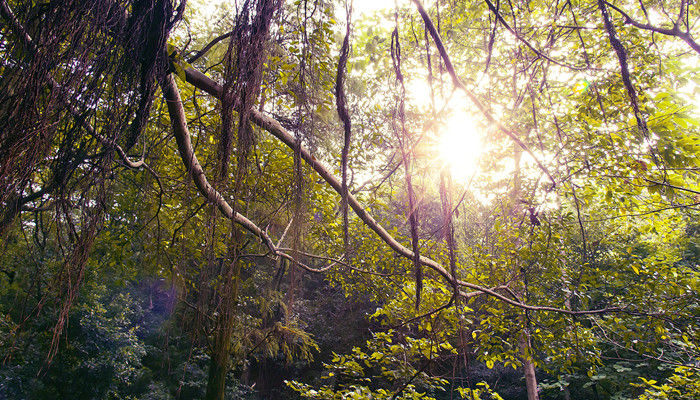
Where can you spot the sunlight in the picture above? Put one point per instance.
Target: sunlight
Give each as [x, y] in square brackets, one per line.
[459, 140]
[368, 7]
[460, 146]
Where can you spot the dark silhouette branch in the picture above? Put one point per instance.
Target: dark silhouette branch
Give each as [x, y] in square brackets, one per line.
[621, 53]
[675, 31]
[510, 29]
[208, 47]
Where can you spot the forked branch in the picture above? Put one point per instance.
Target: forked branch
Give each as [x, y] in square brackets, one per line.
[675, 31]
[194, 168]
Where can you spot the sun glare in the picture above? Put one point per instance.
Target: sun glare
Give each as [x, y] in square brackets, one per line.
[460, 146]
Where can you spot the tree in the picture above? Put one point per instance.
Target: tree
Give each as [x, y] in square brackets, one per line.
[557, 257]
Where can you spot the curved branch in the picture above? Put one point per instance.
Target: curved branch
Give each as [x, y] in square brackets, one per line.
[194, 168]
[272, 126]
[675, 31]
[208, 47]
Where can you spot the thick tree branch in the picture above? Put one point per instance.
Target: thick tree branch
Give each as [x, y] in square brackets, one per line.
[269, 124]
[194, 168]
[342, 108]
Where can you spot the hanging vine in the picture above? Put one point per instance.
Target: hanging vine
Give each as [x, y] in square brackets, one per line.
[405, 144]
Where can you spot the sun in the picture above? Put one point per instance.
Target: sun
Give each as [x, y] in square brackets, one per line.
[460, 145]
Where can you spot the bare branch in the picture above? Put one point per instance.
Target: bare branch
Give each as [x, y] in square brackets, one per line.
[208, 47]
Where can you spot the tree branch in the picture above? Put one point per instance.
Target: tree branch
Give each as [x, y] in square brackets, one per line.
[269, 124]
[208, 47]
[510, 29]
[194, 168]
[675, 31]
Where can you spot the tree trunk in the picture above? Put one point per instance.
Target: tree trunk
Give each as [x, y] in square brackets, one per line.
[220, 357]
[528, 365]
[524, 338]
[567, 394]
[219, 365]
[218, 368]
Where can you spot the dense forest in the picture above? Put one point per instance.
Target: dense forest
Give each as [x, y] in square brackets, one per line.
[328, 199]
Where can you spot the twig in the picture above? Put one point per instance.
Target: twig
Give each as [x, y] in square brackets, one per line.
[500, 18]
[208, 47]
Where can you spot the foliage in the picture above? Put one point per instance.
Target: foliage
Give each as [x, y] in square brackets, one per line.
[682, 384]
[565, 250]
[387, 372]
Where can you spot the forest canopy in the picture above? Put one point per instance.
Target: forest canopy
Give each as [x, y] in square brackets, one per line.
[331, 199]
